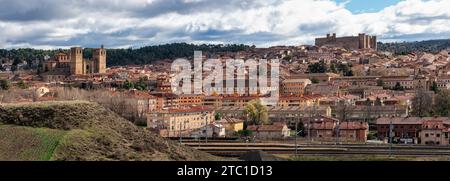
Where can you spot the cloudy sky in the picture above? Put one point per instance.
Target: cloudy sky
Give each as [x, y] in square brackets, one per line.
[134, 23]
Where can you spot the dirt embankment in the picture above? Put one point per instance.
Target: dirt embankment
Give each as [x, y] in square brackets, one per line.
[86, 131]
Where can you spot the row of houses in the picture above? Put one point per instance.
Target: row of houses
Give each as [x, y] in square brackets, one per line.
[415, 130]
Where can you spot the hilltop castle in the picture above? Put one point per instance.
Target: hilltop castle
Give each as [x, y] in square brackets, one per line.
[362, 41]
[63, 65]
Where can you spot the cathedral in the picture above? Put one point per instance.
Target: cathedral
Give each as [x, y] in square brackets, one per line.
[63, 65]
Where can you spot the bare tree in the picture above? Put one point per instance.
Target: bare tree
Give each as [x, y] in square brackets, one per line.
[343, 110]
[368, 111]
[421, 103]
[121, 104]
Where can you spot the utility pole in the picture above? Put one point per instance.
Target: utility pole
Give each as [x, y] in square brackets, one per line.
[391, 127]
[296, 133]
[180, 133]
[309, 124]
[338, 124]
[206, 127]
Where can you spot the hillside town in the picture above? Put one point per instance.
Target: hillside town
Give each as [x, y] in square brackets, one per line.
[342, 89]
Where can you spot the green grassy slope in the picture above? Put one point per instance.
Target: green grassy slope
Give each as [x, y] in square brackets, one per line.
[25, 143]
[81, 131]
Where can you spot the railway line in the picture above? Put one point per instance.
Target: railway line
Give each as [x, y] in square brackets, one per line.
[235, 149]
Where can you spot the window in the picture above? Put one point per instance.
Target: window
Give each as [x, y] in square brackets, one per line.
[426, 135]
[438, 135]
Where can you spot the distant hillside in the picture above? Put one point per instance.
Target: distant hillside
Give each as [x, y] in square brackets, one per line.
[403, 48]
[140, 56]
[81, 131]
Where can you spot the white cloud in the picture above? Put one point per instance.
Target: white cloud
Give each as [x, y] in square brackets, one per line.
[264, 23]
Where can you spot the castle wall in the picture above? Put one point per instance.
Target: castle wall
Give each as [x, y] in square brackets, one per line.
[74, 64]
[361, 41]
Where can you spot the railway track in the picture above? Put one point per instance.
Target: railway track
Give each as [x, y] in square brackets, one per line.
[233, 149]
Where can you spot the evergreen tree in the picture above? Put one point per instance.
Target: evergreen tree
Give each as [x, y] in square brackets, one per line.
[21, 84]
[434, 87]
[128, 85]
[398, 87]
[441, 106]
[5, 84]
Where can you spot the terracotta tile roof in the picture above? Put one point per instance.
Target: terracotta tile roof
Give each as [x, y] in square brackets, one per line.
[411, 120]
[139, 94]
[188, 110]
[266, 128]
[228, 120]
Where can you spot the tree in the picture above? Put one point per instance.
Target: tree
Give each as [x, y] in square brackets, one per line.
[378, 102]
[348, 73]
[320, 67]
[343, 110]
[257, 113]
[128, 85]
[21, 84]
[16, 62]
[314, 81]
[287, 58]
[141, 84]
[345, 69]
[300, 128]
[434, 87]
[368, 111]
[380, 83]
[5, 84]
[421, 104]
[398, 87]
[217, 116]
[441, 105]
[333, 68]
[244, 133]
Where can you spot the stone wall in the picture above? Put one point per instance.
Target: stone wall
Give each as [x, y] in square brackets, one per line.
[362, 41]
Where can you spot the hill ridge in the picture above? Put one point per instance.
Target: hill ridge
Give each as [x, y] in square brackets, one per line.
[94, 133]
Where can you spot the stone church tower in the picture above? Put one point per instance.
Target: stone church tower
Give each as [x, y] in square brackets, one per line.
[99, 60]
[76, 61]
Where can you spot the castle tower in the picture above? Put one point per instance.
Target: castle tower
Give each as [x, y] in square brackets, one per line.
[362, 41]
[99, 58]
[374, 43]
[76, 61]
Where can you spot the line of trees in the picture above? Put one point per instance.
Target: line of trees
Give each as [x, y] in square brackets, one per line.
[322, 67]
[129, 56]
[403, 48]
